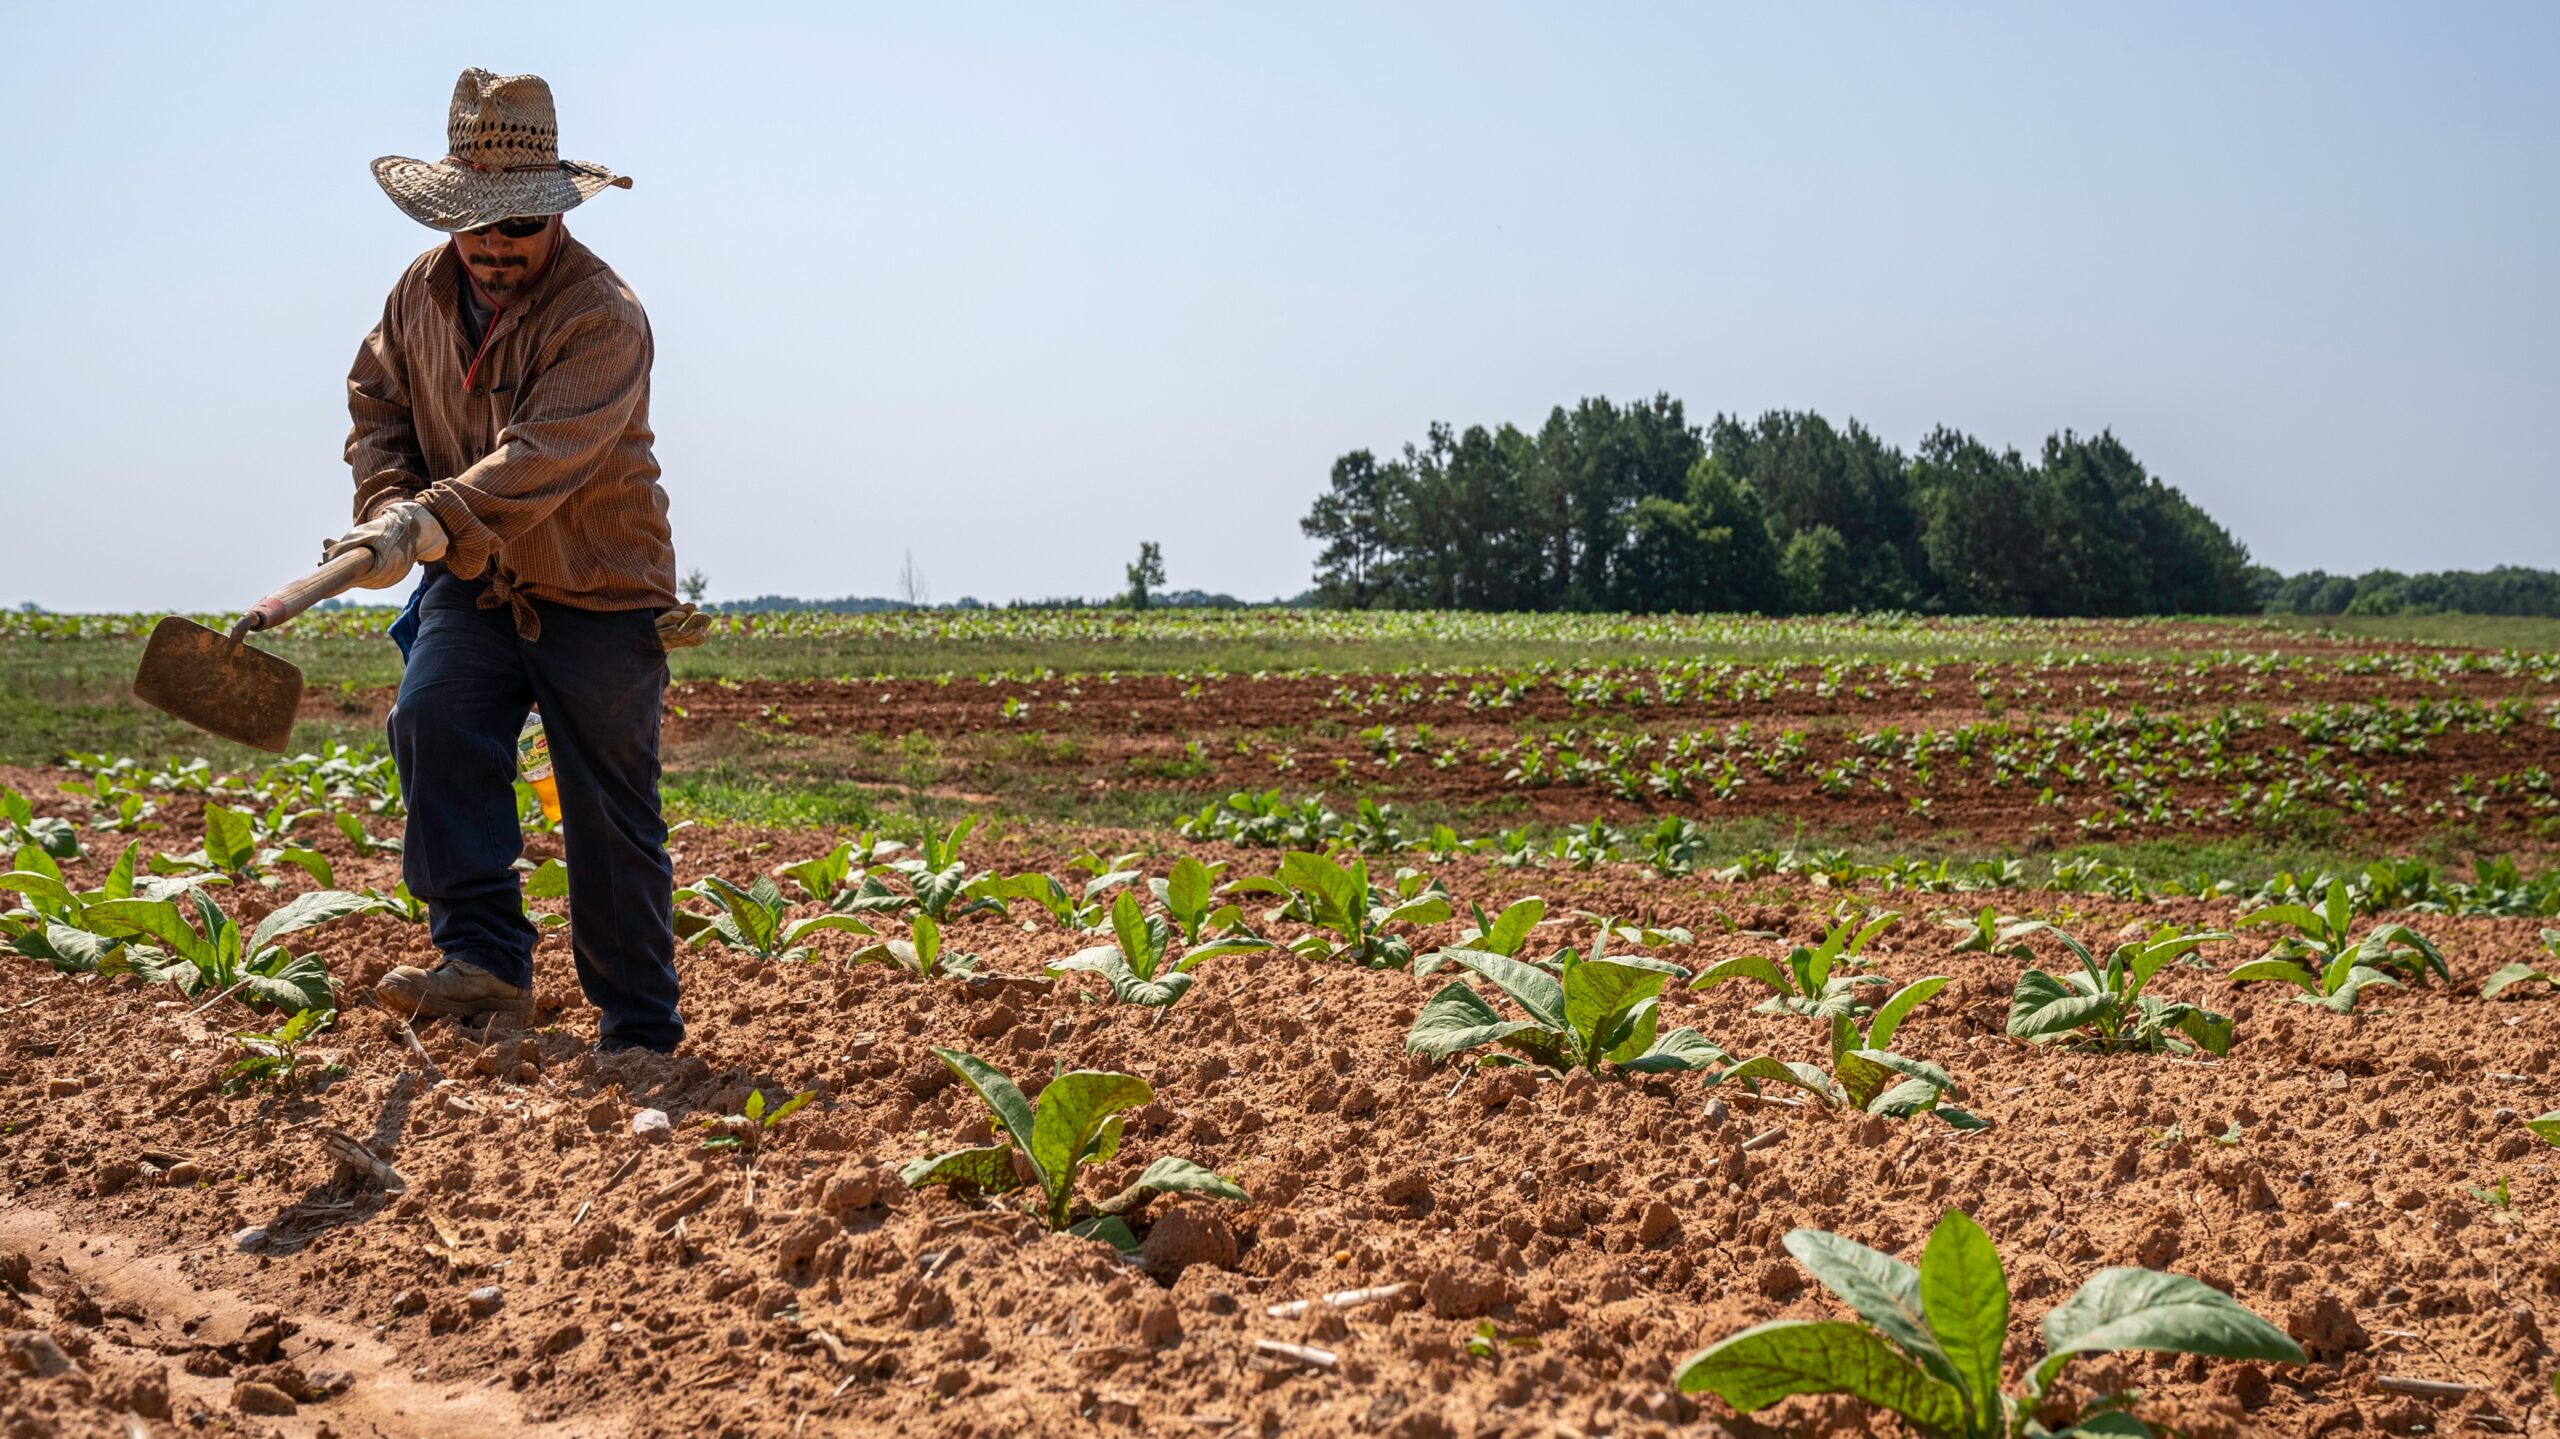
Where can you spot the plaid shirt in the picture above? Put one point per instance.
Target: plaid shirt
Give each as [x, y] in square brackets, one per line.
[532, 453]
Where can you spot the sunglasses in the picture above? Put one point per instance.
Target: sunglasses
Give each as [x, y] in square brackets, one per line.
[523, 227]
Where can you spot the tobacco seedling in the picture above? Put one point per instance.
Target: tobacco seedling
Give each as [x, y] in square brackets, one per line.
[275, 1056]
[1872, 1081]
[1930, 1347]
[1597, 1009]
[827, 879]
[1808, 980]
[2105, 1004]
[1140, 964]
[210, 954]
[1989, 932]
[2321, 938]
[2548, 1126]
[922, 954]
[746, 1129]
[938, 883]
[1076, 1121]
[753, 919]
[1349, 914]
[2507, 976]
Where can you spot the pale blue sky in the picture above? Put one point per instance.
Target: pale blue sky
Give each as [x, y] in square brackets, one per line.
[1020, 286]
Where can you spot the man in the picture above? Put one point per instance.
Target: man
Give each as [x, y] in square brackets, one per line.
[501, 434]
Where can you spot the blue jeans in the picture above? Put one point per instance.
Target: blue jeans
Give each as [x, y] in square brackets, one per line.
[601, 680]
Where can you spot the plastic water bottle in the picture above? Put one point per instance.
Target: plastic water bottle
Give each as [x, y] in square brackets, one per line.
[533, 755]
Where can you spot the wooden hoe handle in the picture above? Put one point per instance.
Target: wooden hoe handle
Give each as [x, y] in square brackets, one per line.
[292, 599]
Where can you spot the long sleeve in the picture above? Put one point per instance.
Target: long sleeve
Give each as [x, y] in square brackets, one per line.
[590, 384]
[382, 447]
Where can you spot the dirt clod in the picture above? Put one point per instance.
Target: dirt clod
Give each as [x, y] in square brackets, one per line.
[1185, 1235]
[256, 1396]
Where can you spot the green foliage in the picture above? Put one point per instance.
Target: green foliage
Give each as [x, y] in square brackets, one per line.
[1505, 935]
[1930, 1342]
[21, 827]
[1985, 933]
[1140, 964]
[1349, 914]
[1591, 1010]
[1077, 1121]
[275, 1056]
[746, 1129]
[755, 919]
[2548, 1126]
[1810, 980]
[921, 953]
[2323, 959]
[1146, 575]
[201, 949]
[2507, 977]
[2106, 1004]
[938, 884]
[1872, 1081]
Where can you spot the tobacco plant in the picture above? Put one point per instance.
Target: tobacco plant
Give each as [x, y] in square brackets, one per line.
[206, 952]
[753, 919]
[1598, 1009]
[2105, 1004]
[53, 925]
[938, 882]
[1140, 964]
[745, 1130]
[275, 1056]
[828, 879]
[1350, 914]
[2322, 940]
[1989, 932]
[921, 953]
[1871, 1081]
[1809, 982]
[1931, 1346]
[20, 826]
[1076, 1121]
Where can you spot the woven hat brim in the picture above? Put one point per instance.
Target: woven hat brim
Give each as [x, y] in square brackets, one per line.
[445, 196]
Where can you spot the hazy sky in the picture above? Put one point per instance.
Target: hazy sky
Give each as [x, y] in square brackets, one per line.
[1018, 287]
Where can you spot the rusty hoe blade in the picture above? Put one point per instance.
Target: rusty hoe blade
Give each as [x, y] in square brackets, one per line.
[219, 685]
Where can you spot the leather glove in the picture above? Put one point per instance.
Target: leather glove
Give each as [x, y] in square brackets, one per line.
[400, 536]
[682, 628]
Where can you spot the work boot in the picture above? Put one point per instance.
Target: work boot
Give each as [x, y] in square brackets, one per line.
[456, 987]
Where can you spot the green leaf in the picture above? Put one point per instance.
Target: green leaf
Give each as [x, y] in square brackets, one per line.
[989, 1169]
[2210, 1031]
[1769, 1362]
[306, 910]
[1598, 992]
[1010, 1108]
[2291, 915]
[1878, 1288]
[1682, 1049]
[46, 894]
[1170, 1175]
[119, 882]
[1511, 930]
[2043, 1006]
[2284, 970]
[2168, 1313]
[2548, 1126]
[1763, 1069]
[1966, 1297]
[1536, 991]
[1890, 1014]
[1458, 1019]
[230, 841]
[1070, 1116]
[1141, 945]
[2511, 975]
[154, 919]
[1108, 1229]
[1749, 966]
[1187, 890]
[311, 862]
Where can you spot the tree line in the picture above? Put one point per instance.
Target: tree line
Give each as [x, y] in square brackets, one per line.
[1632, 507]
[2506, 590]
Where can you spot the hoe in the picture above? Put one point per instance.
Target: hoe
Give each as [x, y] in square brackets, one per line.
[217, 683]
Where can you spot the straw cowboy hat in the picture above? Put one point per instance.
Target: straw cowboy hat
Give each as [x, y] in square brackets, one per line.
[502, 161]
